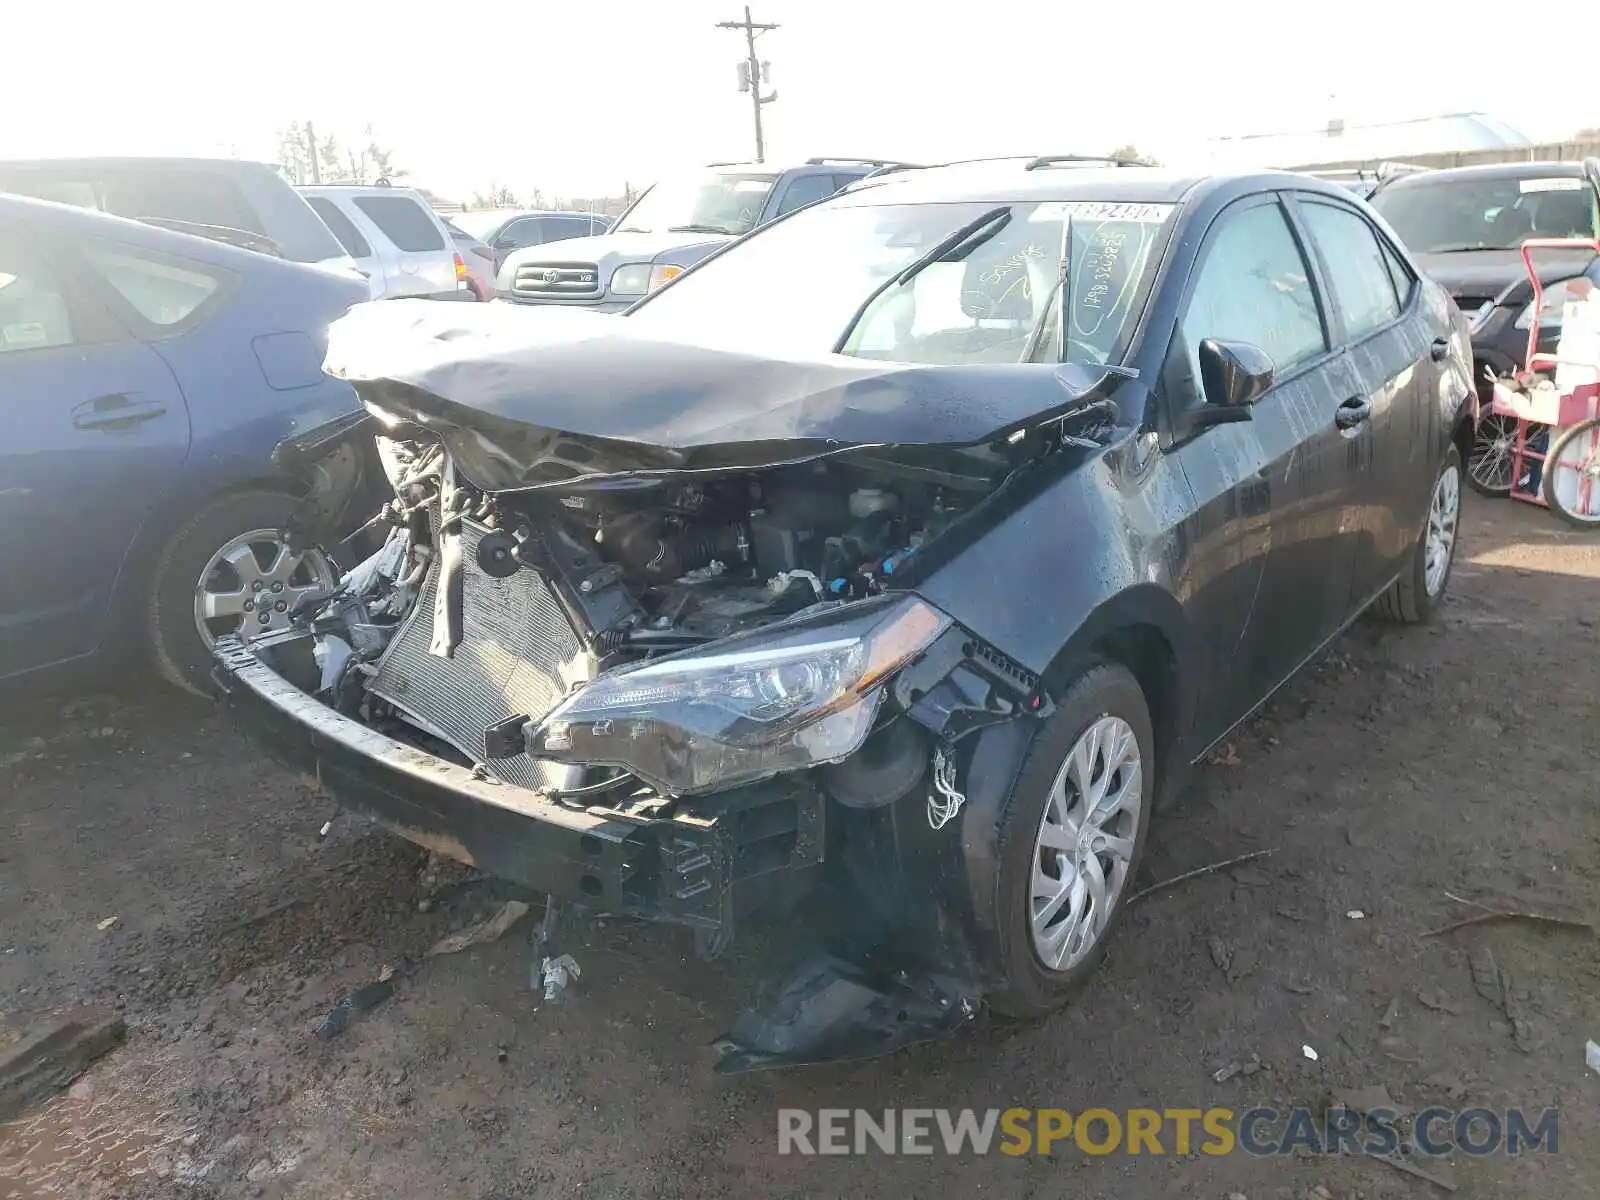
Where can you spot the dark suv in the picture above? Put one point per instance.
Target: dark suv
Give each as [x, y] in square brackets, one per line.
[1466, 226]
[671, 227]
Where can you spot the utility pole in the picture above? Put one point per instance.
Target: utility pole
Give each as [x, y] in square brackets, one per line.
[752, 75]
[311, 149]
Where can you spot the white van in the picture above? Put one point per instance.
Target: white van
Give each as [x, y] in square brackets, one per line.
[397, 241]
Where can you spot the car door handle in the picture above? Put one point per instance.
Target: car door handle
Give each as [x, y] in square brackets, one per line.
[1440, 347]
[1353, 412]
[116, 410]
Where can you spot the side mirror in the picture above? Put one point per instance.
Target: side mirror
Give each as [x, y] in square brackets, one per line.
[1234, 375]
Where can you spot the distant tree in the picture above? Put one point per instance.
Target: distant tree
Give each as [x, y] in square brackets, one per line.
[365, 161]
[1131, 154]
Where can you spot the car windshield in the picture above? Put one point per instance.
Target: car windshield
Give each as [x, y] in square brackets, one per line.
[802, 283]
[712, 202]
[1450, 215]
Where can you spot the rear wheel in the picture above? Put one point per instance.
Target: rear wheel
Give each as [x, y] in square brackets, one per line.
[1413, 597]
[1071, 838]
[1489, 462]
[229, 570]
[1572, 475]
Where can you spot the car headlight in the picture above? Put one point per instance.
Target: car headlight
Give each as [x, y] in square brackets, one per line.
[663, 274]
[794, 695]
[1556, 297]
[636, 279]
[631, 280]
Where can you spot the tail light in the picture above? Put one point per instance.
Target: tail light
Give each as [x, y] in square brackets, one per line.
[461, 267]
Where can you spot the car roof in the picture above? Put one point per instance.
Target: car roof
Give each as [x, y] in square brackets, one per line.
[345, 189]
[134, 160]
[1501, 170]
[1015, 180]
[76, 220]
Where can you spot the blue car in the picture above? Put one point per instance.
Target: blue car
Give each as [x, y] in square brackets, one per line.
[146, 377]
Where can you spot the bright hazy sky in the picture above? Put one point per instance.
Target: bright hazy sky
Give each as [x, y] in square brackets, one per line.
[579, 97]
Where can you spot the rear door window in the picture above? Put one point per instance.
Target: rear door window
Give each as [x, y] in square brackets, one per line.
[204, 197]
[806, 190]
[342, 226]
[34, 310]
[404, 222]
[164, 289]
[1363, 288]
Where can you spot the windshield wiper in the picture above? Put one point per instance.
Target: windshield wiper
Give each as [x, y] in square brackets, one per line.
[630, 229]
[966, 239]
[700, 229]
[1464, 248]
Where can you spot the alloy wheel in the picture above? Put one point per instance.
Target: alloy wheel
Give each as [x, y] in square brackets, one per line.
[1443, 515]
[250, 585]
[1085, 843]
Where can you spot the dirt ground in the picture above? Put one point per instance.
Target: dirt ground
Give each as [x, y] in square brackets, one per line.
[1403, 765]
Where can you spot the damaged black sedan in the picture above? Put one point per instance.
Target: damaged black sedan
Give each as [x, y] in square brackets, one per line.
[897, 558]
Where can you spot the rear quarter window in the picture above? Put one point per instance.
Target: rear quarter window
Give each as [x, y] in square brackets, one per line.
[403, 221]
[343, 227]
[165, 290]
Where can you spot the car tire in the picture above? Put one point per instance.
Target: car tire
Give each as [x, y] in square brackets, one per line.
[181, 652]
[1414, 597]
[1106, 703]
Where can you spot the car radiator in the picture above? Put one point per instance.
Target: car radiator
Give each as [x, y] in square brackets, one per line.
[518, 655]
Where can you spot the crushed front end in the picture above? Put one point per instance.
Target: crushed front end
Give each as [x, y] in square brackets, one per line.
[690, 694]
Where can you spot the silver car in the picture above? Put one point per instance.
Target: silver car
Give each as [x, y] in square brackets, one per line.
[397, 241]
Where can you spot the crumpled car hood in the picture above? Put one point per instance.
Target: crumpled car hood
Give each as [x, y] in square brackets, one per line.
[525, 398]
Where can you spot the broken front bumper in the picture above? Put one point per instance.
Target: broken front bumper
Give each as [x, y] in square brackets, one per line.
[696, 867]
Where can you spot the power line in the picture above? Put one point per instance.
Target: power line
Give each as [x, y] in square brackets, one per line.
[754, 73]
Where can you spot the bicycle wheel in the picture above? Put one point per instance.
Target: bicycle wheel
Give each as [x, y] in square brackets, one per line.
[1489, 464]
[1572, 475]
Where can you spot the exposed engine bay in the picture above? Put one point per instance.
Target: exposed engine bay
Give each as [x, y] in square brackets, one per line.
[518, 598]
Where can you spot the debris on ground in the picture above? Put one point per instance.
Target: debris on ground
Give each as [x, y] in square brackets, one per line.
[1309, 1053]
[48, 1059]
[1437, 1000]
[1223, 1074]
[1391, 1014]
[554, 975]
[1591, 1056]
[1485, 974]
[363, 999]
[1221, 952]
[1355, 914]
[1225, 757]
[1242, 963]
[1506, 914]
[490, 930]
[1437, 1172]
[102, 926]
[1198, 871]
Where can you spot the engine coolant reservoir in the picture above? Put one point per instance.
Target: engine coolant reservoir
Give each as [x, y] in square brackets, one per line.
[864, 502]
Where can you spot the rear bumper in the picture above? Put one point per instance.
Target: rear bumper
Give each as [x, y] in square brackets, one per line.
[687, 869]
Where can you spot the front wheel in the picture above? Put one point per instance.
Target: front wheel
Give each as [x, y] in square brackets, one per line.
[1071, 838]
[1572, 475]
[1413, 597]
[228, 570]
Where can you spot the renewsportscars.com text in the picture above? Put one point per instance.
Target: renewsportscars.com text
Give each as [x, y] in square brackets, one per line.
[1260, 1132]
